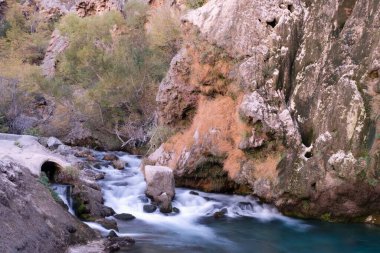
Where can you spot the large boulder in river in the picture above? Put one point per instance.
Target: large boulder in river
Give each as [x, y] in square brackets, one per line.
[160, 182]
[89, 202]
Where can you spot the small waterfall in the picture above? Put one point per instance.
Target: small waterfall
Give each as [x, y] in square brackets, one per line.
[64, 193]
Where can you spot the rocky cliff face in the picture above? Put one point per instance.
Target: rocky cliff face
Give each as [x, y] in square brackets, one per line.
[279, 99]
[28, 209]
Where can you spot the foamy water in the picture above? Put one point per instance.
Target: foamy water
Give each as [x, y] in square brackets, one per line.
[64, 193]
[124, 192]
[250, 227]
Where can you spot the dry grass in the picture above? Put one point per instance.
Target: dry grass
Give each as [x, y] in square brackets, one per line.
[267, 168]
[218, 127]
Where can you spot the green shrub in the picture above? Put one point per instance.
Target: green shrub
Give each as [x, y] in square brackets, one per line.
[165, 32]
[33, 131]
[194, 4]
[4, 27]
[44, 180]
[111, 60]
[326, 217]
[158, 135]
[24, 34]
[3, 124]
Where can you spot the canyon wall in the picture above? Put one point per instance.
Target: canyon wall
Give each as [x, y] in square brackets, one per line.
[278, 98]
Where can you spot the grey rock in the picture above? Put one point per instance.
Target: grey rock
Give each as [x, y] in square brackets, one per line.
[149, 208]
[108, 223]
[112, 234]
[159, 180]
[26, 203]
[53, 143]
[165, 203]
[124, 216]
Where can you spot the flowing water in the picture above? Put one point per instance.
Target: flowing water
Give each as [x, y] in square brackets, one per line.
[248, 226]
[64, 193]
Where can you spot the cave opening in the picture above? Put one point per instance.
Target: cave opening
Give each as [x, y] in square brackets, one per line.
[290, 7]
[51, 169]
[308, 155]
[272, 23]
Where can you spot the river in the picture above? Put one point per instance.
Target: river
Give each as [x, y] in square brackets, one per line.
[247, 227]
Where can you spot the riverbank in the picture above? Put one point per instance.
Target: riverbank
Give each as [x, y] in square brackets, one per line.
[107, 192]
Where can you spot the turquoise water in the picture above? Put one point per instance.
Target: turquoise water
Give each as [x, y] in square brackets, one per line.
[249, 235]
[248, 227]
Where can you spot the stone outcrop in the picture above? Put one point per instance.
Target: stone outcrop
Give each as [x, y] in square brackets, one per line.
[279, 99]
[57, 45]
[59, 165]
[160, 186]
[55, 8]
[86, 8]
[31, 220]
[88, 202]
[27, 151]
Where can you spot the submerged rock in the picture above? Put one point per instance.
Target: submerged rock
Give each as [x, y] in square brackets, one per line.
[112, 234]
[194, 193]
[110, 157]
[149, 208]
[143, 199]
[118, 164]
[107, 223]
[165, 203]
[124, 216]
[220, 214]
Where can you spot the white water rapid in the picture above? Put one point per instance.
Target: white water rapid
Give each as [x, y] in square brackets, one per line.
[123, 191]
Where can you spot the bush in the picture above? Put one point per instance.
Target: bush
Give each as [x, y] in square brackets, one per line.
[159, 134]
[3, 124]
[44, 180]
[194, 4]
[24, 35]
[164, 32]
[111, 62]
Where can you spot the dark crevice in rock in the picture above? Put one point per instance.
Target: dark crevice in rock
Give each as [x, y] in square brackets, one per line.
[309, 154]
[371, 134]
[307, 135]
[344, 12]
[374, 74]
[290, 7]
[272, 23]
[287, 77]
[209, 176]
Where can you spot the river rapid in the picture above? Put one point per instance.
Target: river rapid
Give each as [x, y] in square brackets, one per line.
[247, 226]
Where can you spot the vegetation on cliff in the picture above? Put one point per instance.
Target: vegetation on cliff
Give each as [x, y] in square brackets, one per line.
[108, 74]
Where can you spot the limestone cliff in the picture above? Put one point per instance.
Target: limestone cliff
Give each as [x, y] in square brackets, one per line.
[278, 98]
